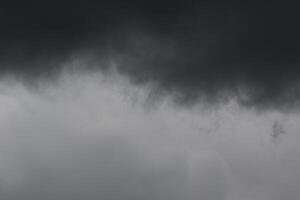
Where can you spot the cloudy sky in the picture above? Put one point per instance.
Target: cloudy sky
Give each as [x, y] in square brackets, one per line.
[149, 100]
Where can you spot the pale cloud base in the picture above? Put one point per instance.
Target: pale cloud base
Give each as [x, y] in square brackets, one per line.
[95, 136]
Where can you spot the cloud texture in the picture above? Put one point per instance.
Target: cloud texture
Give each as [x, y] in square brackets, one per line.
[94, 136]
[151, 100]
[208, 50]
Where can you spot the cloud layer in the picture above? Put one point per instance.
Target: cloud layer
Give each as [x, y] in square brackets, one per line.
[94, 136]
[205, 50]
[90, 95]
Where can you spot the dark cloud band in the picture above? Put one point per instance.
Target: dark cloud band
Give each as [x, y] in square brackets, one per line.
[194, 49]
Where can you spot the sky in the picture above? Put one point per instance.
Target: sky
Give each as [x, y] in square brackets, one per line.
[149, 100]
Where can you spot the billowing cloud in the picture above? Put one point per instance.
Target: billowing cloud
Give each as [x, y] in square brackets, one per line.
[94, 136]
[152, 100]
[207, 50]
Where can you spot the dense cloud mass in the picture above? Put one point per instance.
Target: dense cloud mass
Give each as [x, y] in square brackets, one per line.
[93, 137]
[149, 100]
[208, 50]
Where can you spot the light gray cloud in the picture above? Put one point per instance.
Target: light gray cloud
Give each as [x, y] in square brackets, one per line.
[90, 136]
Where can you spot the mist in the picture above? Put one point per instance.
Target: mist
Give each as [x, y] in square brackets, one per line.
[96, 135]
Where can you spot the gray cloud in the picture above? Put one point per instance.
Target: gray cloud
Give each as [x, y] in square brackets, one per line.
[90, 136]
[89, 96]
[193, 50]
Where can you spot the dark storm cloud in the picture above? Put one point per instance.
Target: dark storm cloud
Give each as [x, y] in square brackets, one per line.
[210, 50]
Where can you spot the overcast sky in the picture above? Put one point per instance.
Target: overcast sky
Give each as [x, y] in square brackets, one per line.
[149, 100]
